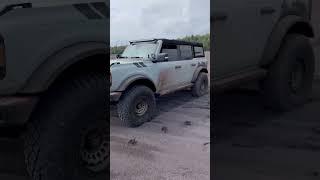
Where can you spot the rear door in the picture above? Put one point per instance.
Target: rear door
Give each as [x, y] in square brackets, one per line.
[187, 63]
[240, 31]
[198, 59]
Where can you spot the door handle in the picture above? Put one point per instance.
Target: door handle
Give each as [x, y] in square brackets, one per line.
[219, 16]
[267, 10]
[193, 64]
[177, 67]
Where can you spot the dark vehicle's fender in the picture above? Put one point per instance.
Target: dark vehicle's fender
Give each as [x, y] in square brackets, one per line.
[288, 24]
[32, 36]
[50, 69]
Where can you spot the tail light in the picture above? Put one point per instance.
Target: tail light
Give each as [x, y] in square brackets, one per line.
[2, 59]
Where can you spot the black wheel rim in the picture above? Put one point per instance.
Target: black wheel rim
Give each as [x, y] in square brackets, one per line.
[94, 150]
[141, 107]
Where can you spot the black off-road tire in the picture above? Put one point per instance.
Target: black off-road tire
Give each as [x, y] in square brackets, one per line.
[127, 104]
[201, 85]
[53, 136]
[296, 52]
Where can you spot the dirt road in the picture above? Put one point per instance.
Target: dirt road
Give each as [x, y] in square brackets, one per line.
[256, 143]
[166, 147]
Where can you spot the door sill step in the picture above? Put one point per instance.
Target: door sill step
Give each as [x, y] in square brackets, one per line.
[239, 79]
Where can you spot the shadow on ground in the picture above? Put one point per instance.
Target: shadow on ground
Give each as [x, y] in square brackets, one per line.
[256, 143]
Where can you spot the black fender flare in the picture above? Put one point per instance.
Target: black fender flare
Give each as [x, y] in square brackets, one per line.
[197, 72]
[126, 83]
[54, 65]
[278, 34]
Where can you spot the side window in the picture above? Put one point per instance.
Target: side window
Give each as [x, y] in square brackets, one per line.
[186, 52]
[171, 50]
[198, 51]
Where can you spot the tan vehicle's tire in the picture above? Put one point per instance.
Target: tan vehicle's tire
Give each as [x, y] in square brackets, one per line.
[201, 85]
[136, 106]
[289, 80]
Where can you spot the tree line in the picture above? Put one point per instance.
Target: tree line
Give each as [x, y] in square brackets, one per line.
[204, 39]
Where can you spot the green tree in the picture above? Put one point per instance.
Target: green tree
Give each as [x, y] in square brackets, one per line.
[117, 49]
[204, 39]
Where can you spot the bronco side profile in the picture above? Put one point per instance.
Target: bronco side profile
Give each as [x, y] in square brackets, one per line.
[53, 56]
[265, 41]
[150, 68]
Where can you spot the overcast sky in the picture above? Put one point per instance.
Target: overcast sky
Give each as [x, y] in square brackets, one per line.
[142, 19]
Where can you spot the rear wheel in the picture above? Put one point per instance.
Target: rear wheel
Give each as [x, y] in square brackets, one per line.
[67, 137]
[289, 82]
[201, 85]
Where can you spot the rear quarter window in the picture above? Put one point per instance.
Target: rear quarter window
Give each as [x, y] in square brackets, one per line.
[198, 51]
[186, 52]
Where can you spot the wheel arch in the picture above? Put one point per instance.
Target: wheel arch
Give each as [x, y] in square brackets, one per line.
[199, 70]
[287, 25]
[73, 59]
[137, 80]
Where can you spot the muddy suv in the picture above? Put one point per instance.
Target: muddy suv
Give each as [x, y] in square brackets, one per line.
[267, 41]
[150, 68]
[52, 81]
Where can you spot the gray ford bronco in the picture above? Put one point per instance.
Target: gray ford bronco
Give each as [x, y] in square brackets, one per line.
[53, 56]
[267, 41]
[150, 68]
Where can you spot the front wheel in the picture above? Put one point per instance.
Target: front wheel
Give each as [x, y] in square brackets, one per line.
[136, 106]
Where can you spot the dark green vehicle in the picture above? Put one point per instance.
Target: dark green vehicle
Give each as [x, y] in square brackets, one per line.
[53, 56]
[267, 41]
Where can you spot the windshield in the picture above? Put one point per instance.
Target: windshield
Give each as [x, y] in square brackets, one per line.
[140, 50]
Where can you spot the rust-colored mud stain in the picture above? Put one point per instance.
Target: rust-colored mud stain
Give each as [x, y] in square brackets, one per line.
[163, 79]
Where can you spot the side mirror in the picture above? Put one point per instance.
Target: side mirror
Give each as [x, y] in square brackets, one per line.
[118, 56]
[162, 57]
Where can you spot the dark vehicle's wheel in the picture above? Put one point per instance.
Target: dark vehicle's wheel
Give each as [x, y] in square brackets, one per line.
[200, 87]
[67, 137]
[136, 106]
[289, 81]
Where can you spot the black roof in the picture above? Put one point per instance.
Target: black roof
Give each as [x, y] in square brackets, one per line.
[171, 41]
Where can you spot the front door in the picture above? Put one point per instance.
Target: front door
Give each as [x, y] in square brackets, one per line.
[169, 71]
